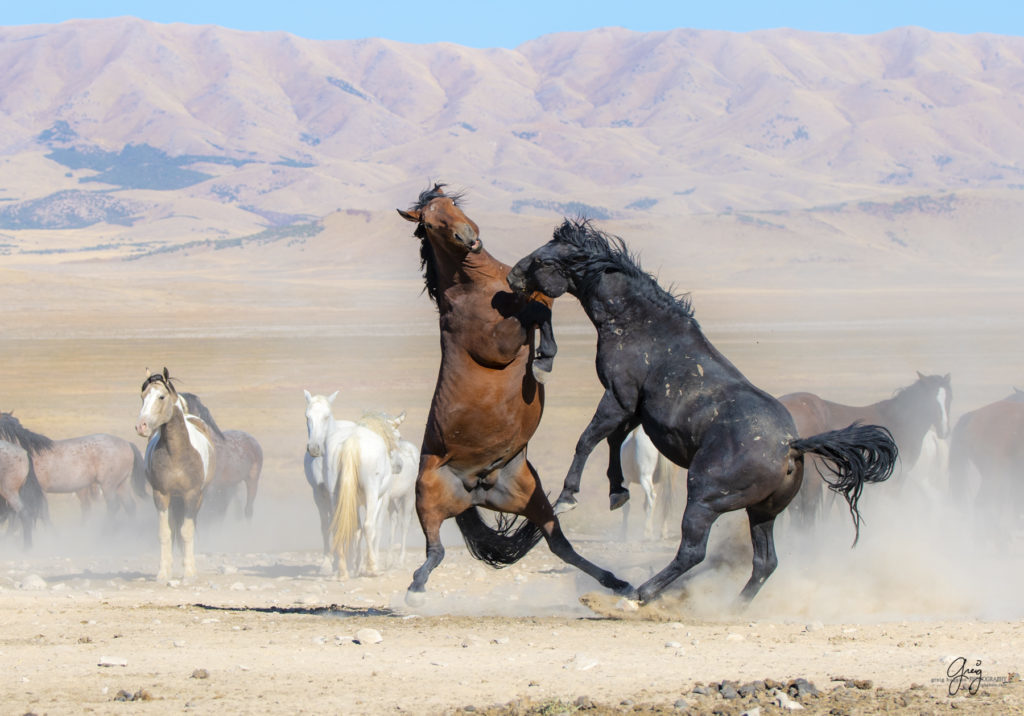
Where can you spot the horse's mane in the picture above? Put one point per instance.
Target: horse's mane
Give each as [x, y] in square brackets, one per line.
[12, 431]
[378, 423]
[195, 407]
[599, 252]
[426, 250]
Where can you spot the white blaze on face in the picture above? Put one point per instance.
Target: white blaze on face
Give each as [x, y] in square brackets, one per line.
[944, 420]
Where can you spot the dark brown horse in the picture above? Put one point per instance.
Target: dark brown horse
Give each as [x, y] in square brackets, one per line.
[991, 439]
[908, 415]
[487, 402]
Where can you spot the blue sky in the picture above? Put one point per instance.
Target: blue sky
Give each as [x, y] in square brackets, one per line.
[507, 24]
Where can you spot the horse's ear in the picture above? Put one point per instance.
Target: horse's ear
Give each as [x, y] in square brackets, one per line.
[413, 216]
[397, 420]
[309, 398]
[331, 397]
[167, 376]
[920, 375]
[148, 372]
[947, 378]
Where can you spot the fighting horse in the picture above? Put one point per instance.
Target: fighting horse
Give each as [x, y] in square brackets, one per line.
[909, 415]
[643, 465]
[321, 425]
[82, 465]
[991, 438]
[487, 401]
[20, 492]
[180, 461]
[659, 371]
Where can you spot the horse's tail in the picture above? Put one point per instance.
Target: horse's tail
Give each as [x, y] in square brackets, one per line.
[501, 546]
[33, 499]
[959, 457]
[139, 480]
[345, 521]
[176, 509]
[854, 455]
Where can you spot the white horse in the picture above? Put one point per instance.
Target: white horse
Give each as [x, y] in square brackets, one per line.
[320, 424]
[405, 462]
[361, 460]
[643, 465]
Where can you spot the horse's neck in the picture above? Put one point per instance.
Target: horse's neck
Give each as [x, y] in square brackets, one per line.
[905, 419]
[174, 433]
[469, 270]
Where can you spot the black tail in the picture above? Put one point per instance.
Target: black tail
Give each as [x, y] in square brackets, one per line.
[499, 547]
[855, 455]
[138, 472]
[33, 503]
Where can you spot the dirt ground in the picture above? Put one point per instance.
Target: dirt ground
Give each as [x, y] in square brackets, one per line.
[84, 626]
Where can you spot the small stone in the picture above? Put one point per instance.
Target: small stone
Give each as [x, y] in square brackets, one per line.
[786, 703]
[585, 703]
[801, 688]
[756, 711]
[368, 636]
[200, 674]
[672, 645]
[701, 690]
[33, 583]
[814, 626]
[735, 637]
[178, 643]
[581, 662]
[681, 704]
[728, 691]
[112, 661]
[500, 640]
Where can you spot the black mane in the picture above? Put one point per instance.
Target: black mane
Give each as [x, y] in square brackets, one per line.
[12, 431]
[426, 250]
[192, 402]
[599, 252]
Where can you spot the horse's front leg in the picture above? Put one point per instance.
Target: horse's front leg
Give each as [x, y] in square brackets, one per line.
[539, 315]
[436, 501]
[188, 532]
[611, 417]
[163, 516]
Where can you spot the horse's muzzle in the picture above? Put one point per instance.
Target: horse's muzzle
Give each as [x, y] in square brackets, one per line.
[313, 449]
[516, 280]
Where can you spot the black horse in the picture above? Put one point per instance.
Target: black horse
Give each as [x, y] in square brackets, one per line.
[737, 441]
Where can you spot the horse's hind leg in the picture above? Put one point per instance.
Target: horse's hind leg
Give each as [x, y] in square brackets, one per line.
[697, 522]
[540, 512]
[765, 561]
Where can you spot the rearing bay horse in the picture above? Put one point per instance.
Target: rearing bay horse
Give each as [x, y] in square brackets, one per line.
[487, 402]
[180, 461]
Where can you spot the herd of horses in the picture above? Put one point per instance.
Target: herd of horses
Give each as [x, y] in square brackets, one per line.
[671, 400]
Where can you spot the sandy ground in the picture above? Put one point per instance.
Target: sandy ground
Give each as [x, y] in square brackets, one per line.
[874, 629]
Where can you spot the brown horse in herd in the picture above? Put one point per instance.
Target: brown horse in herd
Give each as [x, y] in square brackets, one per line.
[908, 415]
[487, 401]
[991, 439]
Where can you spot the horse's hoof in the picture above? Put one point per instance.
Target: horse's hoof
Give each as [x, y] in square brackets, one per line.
[617, 500]
[627, 591]
[564, 504]
[540, 375]
[415, 599]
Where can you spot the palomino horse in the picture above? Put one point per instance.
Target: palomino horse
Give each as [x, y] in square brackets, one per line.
[321, 425]
[487, 402]
[83, 464]
[991, 439]
[180, 461]
[908, 415]
[20, 492]
[738, 443]
[361, 462]
[643, 465]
